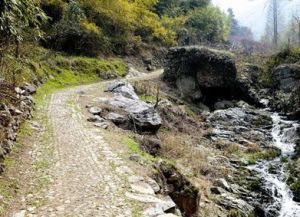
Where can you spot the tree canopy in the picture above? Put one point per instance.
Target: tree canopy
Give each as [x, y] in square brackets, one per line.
[19, 17]
[92, 27]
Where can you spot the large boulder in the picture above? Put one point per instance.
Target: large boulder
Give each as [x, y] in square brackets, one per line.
[142, 116]
[286, 77]
[201, 67]
[125, 89]
[285, 81]
[203, 75]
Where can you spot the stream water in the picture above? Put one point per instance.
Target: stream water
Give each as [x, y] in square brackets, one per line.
[284, 136]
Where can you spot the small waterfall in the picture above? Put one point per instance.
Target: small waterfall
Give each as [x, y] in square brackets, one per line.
[284, 136]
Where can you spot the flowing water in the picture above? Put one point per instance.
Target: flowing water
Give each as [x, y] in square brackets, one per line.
[284, 136]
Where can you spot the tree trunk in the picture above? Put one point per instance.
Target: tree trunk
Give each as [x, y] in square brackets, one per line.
[275, 22]
[299, 32]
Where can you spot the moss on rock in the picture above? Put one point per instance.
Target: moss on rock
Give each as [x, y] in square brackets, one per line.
[285, 56]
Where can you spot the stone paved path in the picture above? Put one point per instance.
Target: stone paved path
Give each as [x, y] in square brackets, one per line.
[88, 179]
[85, 183]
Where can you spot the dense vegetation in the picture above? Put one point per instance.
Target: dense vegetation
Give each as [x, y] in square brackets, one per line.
[120, 26]
[101, 27]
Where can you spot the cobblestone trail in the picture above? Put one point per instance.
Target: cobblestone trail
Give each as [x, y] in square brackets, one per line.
[88, 178]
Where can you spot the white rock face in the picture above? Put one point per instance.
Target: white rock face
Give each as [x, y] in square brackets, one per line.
[123, 88]
[142, 187]
[143, 198]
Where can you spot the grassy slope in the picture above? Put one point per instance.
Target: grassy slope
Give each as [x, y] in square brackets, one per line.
[57, 70]
[39, 64]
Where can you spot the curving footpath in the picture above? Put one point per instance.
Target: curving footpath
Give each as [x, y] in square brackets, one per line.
[87, 177]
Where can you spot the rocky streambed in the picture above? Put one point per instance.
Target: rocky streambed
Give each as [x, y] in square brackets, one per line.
[267, 165]
[261, 146]
[274, 172]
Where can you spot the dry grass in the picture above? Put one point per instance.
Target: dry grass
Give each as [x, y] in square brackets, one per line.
[207, 206]
[235, 213]
[183, 149]
[231, 149]
[147, 87]
[2, 135]
[221, 144]
[253, 148]
[204, 186]
[148, 91]
[227, 147]
[208, 209]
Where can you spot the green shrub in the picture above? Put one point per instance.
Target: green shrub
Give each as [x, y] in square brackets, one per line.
[76, 35]
[97, 26]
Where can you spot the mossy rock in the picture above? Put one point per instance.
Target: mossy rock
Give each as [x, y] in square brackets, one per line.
[208, 67]
[285, 56]
[295, 187]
